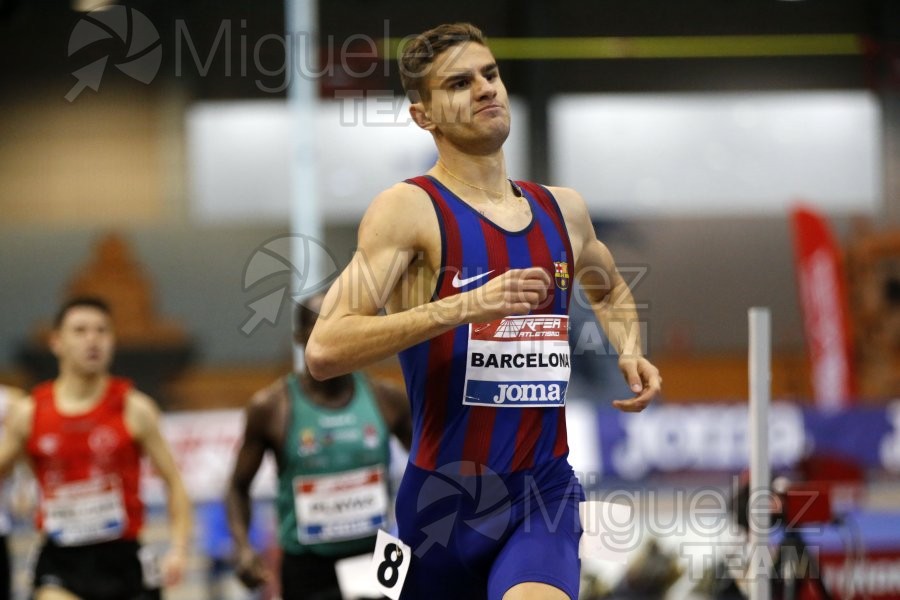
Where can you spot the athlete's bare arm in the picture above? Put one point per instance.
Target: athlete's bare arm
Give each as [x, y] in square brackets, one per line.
[611, 300]
[394, 406]
[250, 568]
[399, 224]
[142, 419]
[16, 429]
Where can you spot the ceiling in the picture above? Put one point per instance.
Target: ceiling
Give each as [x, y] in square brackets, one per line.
[34, 38]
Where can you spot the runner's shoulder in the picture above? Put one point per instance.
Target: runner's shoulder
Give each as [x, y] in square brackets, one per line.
[401, 213]
[573, 207]
[400, 199]
[266, 399]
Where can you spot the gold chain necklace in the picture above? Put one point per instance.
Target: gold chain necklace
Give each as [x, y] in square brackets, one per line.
[498, 195]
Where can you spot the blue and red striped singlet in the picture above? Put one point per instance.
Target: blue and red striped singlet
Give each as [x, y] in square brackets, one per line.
[493, 393]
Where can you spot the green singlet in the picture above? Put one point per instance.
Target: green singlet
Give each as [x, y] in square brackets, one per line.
[333, 489]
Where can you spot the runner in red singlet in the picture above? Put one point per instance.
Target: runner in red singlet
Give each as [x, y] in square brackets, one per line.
[84, 434]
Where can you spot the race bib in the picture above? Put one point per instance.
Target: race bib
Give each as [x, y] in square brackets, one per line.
[85, 512]
[342, 506]
[518, 362]
[390, 564]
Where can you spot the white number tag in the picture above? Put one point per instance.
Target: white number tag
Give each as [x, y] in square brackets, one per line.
[342, 506]
[84, 512]
[518, 362]
[390, 564]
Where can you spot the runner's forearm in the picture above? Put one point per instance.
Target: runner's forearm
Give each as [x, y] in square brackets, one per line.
[619, 319]
[237, 506]
[335, 349]
[180, 516]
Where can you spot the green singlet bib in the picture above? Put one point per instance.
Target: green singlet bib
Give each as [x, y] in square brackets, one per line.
[333, 490]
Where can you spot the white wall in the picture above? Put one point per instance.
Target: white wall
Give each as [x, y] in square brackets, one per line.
[726, 154]
[238, 156]
[630, 155]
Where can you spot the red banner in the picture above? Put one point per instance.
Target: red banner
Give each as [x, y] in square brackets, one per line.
[823, 300]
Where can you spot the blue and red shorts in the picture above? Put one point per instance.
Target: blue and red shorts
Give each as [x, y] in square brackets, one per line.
[475, 534]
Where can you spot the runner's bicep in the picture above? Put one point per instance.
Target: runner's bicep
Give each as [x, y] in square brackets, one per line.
[248, 461]
[365, 285]
[596, 271]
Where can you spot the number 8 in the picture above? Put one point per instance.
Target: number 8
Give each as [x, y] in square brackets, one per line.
[389, 564]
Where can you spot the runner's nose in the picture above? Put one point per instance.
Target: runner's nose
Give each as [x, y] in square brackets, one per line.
[485, 89]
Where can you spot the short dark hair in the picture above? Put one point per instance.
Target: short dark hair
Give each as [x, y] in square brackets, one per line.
[418, 54]
[78, 301]
[304, 316]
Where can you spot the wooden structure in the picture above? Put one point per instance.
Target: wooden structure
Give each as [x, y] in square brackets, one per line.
[873, 272]
[150, 349]
[114, 275]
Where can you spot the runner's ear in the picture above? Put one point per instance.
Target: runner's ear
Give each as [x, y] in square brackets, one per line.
[421, 116]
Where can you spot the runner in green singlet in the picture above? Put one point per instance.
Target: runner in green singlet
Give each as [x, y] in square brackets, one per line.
[330, 443]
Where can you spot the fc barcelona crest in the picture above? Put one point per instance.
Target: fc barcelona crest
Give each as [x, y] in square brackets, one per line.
[562, 275]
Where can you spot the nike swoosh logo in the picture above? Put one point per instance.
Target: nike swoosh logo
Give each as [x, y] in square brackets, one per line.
[458, 283]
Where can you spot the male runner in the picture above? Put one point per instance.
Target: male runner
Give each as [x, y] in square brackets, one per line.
[474, 273]
[330, 443]
[84, 434]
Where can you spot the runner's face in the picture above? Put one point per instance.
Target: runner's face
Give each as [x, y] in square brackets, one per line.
[84, 342]
[469, 105]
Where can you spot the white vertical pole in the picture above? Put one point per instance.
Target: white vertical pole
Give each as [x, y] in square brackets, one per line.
[301, 24]
[760, 366]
